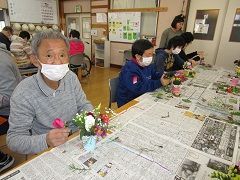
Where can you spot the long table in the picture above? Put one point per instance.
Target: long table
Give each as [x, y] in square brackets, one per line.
[156, 136]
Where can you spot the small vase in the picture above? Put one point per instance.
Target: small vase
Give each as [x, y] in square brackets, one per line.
[176, 90]
[89, 143]
[234, 82]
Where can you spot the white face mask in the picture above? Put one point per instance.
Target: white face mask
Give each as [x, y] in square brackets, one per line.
[54, 72]
[176, 50]
[146, 61]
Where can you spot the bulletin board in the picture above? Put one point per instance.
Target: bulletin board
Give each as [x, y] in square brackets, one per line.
[235, 34]
[205, 24]
[124, 26]
[33, 11]
[86, 27]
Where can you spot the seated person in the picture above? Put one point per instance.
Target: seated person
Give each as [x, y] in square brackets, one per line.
[76, 45]
[138, 75]
[5, 36]
[191, 57]
[21, 49]
[168, 59]
[9, 78]
[54, 92]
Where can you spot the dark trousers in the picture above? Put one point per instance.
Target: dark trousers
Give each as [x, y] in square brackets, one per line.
[4, 126]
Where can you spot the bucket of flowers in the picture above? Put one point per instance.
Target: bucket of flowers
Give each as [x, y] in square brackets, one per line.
[93, 125]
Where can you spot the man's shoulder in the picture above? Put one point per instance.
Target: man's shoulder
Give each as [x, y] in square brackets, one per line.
[26, 87]
[160, 52]
[130, 65]
[5, 57]
[70, 76]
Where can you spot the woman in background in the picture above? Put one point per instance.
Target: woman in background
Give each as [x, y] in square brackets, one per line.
[174, 30]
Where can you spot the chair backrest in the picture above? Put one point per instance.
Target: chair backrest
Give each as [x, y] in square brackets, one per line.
[113, 85]
[76, 59]
[127, 55]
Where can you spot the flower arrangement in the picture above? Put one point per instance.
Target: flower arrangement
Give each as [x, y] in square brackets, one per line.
[94, 122]
[231, 174]
[237, 67]
[177, 81]
[180, 74]
[187, 65]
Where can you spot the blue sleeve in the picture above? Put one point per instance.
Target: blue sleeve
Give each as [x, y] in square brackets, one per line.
[159, 63]
[156, 74]
[142, 85]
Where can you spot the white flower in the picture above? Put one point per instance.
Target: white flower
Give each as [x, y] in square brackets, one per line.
[89, 122]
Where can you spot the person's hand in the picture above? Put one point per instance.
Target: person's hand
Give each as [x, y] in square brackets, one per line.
[56, 137]
[193, 62]
[165, 81]
[201, 54]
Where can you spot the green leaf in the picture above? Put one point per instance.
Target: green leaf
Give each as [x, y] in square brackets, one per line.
[82, 133]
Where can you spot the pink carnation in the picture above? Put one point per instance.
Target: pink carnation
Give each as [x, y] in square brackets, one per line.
[58, 123]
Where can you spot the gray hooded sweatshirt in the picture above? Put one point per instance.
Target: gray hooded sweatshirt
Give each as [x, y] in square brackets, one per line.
[9, 78]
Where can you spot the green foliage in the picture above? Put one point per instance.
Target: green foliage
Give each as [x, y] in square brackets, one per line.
[177, 82]
[231, 174]
[236, 113]
[99, 124]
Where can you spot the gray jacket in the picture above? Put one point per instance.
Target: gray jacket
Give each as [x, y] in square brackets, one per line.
[34, 107]
[9, 78]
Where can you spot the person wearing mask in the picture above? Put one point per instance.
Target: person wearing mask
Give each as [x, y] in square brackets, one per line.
[190, 57]
[174, 30]
[168, 59]
[9, 78]
[21, 49]
[5, 36]
[54, 92]
[76, 45]
[138, 75]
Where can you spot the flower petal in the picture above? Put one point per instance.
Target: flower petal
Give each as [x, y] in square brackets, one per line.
[58, 123]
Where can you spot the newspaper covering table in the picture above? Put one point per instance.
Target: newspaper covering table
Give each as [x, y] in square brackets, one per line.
[162, 137]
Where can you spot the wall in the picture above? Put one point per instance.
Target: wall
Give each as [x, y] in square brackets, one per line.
[3, 4]
[210, 47]
[165, 18]
[164, 21]
[69, 6]
[228, 51]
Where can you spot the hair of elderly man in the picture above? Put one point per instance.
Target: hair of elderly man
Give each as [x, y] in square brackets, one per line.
[46, 34]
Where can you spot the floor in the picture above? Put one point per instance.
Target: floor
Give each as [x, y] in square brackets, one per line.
[96, 89]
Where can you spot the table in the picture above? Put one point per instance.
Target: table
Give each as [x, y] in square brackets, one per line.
[156, 136]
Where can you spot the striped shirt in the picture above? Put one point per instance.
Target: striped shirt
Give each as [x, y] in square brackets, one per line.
[21, 50]
[34, 106]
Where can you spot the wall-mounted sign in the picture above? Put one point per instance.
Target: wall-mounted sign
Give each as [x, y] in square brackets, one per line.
[205, 24]
[124, 26]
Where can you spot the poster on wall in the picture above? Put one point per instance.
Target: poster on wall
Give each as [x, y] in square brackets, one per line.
[86, 27]
[41, 11]
[124, 26]
[235, 34]
[205, 24]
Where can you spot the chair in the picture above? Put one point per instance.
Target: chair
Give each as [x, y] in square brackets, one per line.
[28, 71]
[113, 85]
[80, 61]
[127, 55]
